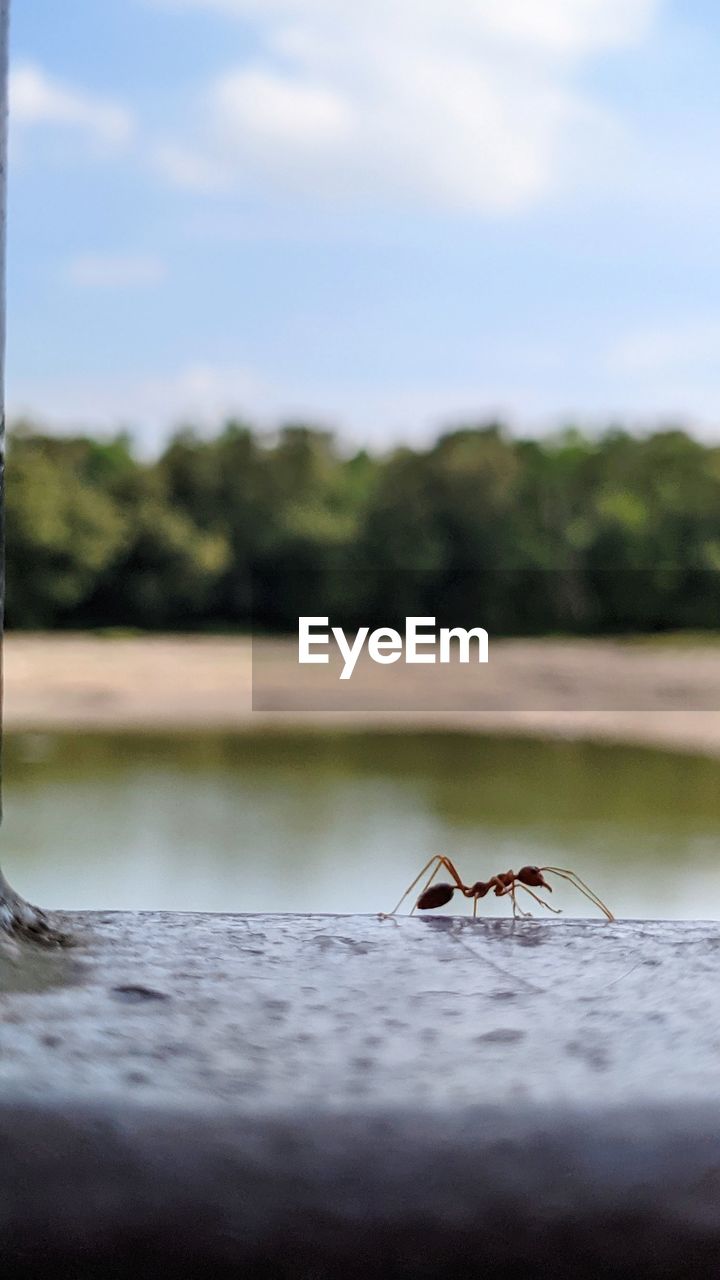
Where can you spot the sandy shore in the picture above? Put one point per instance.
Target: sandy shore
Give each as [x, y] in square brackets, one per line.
[666, 696]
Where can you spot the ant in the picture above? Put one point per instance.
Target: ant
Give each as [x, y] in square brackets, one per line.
[504, 884]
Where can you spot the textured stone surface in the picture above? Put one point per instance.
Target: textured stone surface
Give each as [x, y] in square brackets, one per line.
[280, 1012]
[280, 1095]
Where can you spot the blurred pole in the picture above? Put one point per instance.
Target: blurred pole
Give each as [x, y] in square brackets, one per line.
[9, 903]
[16, 916]
[4, 20]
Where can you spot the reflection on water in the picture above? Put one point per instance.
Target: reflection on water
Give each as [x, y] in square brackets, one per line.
[343, 822]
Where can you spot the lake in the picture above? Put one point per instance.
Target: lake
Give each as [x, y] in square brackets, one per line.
[343, 822]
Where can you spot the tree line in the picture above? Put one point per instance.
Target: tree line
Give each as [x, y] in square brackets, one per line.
[570, 533]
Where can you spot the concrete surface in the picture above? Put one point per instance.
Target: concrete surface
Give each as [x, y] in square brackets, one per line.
[304, 1096]
[278, 1012]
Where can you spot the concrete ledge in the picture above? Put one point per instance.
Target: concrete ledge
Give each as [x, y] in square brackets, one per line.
[497, 1193]
[316, 1096]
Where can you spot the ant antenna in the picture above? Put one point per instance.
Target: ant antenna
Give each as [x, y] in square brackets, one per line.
[583, 888]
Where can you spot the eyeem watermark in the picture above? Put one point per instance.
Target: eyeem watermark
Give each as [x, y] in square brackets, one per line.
[421, 644]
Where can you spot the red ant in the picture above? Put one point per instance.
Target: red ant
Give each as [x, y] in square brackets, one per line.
[527, 878]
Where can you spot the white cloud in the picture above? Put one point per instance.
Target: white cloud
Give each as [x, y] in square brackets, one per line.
[460, 104]
[669, 372]
[682, 348]
[38, 99]
[275, 110]
[206, 394]
[557, 25]
[203, 394]
[185, 167]
[114, 271]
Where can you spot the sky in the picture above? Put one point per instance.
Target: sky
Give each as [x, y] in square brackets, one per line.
[384, 216]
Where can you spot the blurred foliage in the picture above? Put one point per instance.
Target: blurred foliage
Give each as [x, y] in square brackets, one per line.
[570, 533]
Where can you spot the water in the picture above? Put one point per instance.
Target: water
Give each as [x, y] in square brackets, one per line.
[344, 822]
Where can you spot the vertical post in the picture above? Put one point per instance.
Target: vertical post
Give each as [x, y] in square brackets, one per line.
[4, 29]
[17, 918]
[7, 900]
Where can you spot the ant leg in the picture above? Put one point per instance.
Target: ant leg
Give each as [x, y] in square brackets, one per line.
[555, 910]
[526, 915]
[441, 861]
[419, 876]
[582, 887]
[451, 869]
[517, 910]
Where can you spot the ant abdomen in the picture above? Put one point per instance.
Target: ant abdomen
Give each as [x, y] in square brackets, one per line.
[436, 896]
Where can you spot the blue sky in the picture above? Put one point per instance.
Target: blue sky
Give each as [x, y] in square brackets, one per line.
[386, 216]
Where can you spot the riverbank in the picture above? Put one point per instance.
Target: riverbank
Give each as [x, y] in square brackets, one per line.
[666, 695]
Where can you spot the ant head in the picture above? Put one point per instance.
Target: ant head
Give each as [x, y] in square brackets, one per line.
[436, 896]
[533, 877]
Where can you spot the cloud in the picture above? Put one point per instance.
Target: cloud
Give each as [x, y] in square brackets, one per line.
[669, 371]
[114, 271]
[472, 106]
[203, 394]
[276, 111]
[185, 167]
[683, 348]
[556, 26]
[207, 394]
[38, 99]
